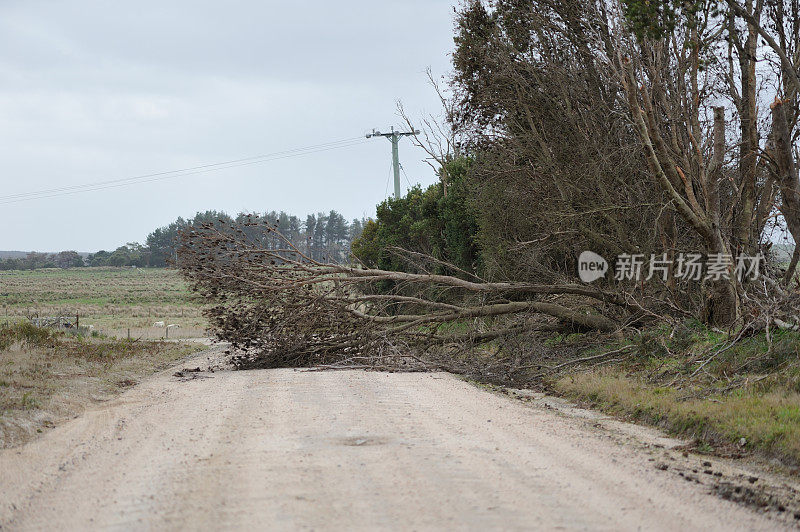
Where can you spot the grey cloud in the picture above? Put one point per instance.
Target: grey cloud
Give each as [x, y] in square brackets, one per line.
[101, 90]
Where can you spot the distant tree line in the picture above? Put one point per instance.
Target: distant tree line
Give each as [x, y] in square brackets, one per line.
[323, 236]
[34, 260]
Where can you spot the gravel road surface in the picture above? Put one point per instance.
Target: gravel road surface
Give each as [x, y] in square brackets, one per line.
[344, 450]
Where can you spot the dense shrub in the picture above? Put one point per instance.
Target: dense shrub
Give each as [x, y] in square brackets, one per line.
[425, 221]
[27, 334]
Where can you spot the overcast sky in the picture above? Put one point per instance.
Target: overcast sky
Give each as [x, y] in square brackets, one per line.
[97, 90]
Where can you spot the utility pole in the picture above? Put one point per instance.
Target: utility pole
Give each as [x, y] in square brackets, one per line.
[394, 138]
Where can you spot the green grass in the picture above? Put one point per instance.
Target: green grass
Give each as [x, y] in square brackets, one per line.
[750, 391]
[92, 286]
[112, 299]
[768, 421]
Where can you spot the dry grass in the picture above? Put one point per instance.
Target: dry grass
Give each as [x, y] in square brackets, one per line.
[47, 376]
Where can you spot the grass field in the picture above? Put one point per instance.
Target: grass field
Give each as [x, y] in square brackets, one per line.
[693, 382]
[113, 300]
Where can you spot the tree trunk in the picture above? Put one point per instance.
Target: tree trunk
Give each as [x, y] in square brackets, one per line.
[748, 148]
[786, 169]
[725, 304]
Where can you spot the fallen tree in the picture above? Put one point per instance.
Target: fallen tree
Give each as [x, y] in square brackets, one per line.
[280, 307]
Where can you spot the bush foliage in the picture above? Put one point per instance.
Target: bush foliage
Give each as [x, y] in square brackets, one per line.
[425, 221]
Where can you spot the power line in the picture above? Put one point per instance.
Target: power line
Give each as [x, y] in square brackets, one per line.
[406, 176]
[178, 173]
[388, 178]
[256, 158]
[172, 174]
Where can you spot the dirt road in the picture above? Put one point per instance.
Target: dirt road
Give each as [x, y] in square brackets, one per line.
[285, 449]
